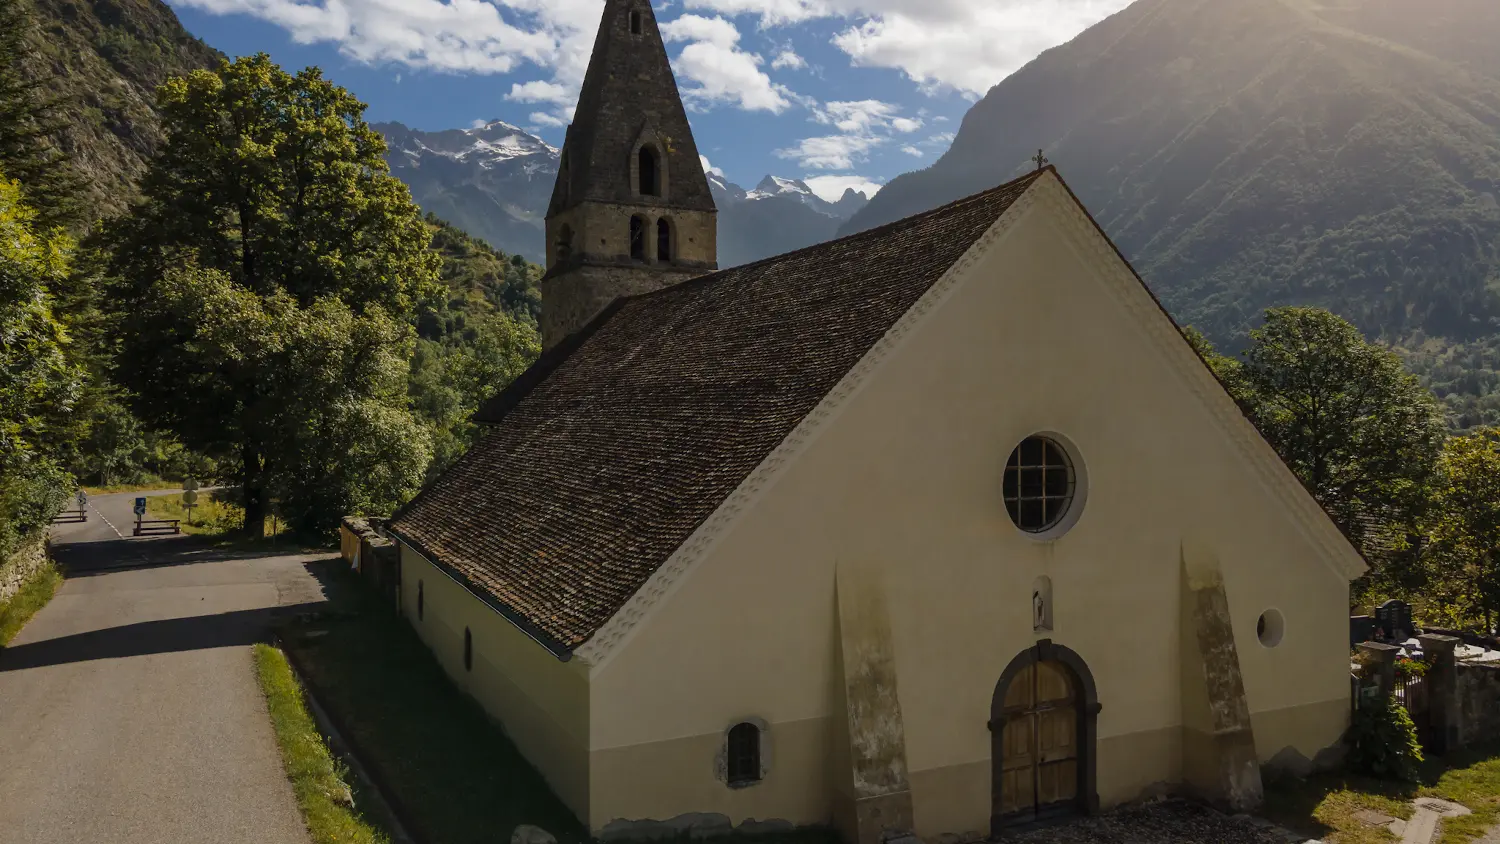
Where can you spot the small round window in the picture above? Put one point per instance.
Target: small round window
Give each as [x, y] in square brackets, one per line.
[1039, 484]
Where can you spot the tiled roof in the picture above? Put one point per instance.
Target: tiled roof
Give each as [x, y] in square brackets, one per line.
[605, 456]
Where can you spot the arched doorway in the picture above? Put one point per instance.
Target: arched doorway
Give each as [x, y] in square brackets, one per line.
[1043, 728]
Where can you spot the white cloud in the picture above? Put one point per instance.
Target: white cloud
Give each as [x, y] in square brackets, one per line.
[788, 59]
[831, 152]
[540, 91]
[856, 116]
[723, 73]
[906, 124]
[913, 151]
[479, 123]
[962, 44]
[831, 188]
[551, 121]
[941, 138]
[709, 168]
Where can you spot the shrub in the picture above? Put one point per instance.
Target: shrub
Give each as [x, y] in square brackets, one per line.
[1383, 741]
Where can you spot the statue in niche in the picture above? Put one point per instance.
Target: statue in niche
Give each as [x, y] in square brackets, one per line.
[1041, 604]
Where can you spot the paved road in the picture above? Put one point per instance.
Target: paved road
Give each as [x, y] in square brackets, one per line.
[129, 710]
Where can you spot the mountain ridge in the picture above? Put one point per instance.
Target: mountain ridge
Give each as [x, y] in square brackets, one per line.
[500, 194]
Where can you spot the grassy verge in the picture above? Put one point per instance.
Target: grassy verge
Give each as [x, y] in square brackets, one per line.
[146, 486]
[34, 594]
[1325, 807]
[318, 779]
[450, 770]
[211, 516]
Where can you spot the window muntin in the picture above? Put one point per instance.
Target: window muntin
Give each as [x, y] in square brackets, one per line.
[1039, 484]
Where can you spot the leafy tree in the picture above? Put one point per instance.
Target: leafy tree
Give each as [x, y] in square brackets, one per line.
[38, 381]
[28, 116]
[1359, 431]
[271, 201]
[1465, 525]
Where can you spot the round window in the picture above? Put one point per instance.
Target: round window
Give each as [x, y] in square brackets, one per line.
[1270, 628]
[1039, 484]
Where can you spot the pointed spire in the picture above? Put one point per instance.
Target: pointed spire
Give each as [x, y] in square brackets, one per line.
[629, 99]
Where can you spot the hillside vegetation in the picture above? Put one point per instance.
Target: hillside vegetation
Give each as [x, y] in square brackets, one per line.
[1250, 153]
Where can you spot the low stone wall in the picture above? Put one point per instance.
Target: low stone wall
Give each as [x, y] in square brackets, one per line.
[371, 554]
[27, 561]
[1478, 702]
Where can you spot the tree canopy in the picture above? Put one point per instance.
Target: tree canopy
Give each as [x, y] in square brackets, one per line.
[270, 202]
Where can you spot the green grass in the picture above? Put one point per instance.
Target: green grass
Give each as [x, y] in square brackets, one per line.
[454, 774]
[1324, 806]
[211, 516]
[34, 594]
[318, 779]
[146, 486]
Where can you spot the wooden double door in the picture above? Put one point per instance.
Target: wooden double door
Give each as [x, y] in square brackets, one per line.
[1036, 745]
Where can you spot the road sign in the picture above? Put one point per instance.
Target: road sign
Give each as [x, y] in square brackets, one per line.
[190, 497]
[190, 485]
[83, 499]
[140, 506]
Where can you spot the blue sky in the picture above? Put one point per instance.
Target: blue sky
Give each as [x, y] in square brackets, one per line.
[837, 92]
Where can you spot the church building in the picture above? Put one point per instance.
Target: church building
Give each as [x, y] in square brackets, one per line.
[936, 528]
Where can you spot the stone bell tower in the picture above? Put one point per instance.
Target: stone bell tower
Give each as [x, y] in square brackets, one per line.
[631, 211]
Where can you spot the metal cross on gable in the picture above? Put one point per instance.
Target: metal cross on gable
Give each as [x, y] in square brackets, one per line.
[1040, 160]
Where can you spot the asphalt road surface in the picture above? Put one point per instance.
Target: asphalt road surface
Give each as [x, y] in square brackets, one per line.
[129, 710]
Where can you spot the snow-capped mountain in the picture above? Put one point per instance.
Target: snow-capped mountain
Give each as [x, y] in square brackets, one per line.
[495, 181]
[780, 215]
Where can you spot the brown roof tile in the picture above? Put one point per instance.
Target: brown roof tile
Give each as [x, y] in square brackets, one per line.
[608, 453]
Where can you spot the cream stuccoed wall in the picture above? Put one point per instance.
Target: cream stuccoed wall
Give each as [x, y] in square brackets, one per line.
[905, 479]
[541, 701]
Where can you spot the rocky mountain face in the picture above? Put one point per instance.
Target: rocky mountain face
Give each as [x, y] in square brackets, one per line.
[1248, 153]
[779, 216]
[495, 181]
[492, 181]
[105, 61]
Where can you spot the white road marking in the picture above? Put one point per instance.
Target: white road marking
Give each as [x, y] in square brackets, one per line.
[106, 520]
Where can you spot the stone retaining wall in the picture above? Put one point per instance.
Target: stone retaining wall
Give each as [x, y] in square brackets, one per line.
[27, 561]
[1478, 702]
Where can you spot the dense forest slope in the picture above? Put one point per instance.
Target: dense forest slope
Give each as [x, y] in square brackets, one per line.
[1245, 153]
[108, 57]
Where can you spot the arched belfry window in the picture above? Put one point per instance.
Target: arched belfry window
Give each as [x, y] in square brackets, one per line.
[664, 239]
[564, 243]
[638, 238]
[742, 754]
[635, 22]
[649, 171]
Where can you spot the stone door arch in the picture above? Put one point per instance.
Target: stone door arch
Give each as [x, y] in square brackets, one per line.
[1043, 737]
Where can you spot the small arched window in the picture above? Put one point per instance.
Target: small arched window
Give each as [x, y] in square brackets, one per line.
[564, 243]
[663, 239]
[649, 171]
[635, 23]
[468, 650]
[638, 238]
[419, 600]
[742, 755]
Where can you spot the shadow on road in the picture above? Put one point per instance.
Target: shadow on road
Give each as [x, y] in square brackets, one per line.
[202, 632]
[85, 559]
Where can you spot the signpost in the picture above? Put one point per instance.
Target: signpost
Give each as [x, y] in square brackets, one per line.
[190, 497]
[83, 505]
[140, 512]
